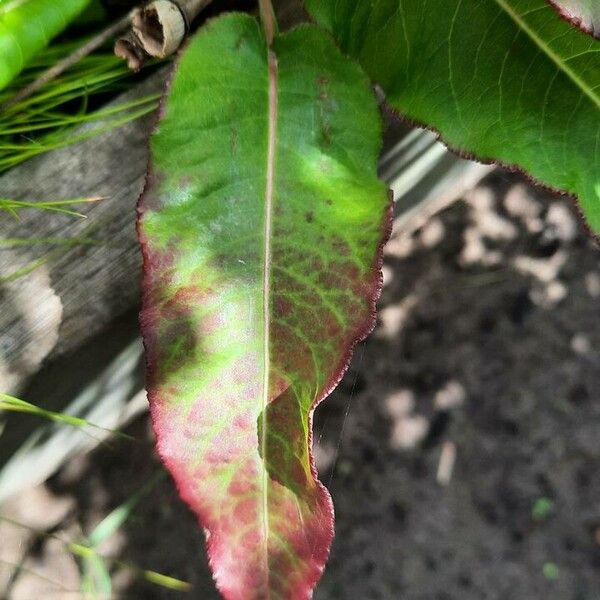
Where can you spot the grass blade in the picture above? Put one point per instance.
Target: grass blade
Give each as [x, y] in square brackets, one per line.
[12, 404]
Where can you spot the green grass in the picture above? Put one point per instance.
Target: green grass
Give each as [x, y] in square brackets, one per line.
[13, 206]
[11, 404]
[48, 241]
[96, 576]
[49, 118]
[96, 579]
[28, 268]
[60, 244]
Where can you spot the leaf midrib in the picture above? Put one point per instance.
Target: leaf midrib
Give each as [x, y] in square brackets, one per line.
[268, 227]
[555, 58]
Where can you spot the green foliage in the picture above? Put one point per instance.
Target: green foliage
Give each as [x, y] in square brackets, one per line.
[504, 80]
[26, 26]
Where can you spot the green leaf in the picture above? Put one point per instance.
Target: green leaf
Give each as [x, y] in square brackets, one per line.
[261, 226]
[584, 14]
[505, 80]
[26, 26]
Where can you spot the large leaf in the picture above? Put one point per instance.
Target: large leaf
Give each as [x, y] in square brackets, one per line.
[26, 26]
[261, 227]
[504, 80]
[582, 13]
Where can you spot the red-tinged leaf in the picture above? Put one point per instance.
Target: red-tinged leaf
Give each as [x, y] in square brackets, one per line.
[261, 226]
[584, 14]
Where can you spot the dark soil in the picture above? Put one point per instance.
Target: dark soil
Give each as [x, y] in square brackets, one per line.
[488, 344]
[528, 430]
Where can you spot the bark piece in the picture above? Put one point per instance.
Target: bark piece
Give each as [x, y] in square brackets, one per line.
[158, 29]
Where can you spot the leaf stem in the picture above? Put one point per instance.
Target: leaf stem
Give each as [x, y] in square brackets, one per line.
[267, 16]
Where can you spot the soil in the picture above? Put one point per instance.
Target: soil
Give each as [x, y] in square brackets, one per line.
[487, 352]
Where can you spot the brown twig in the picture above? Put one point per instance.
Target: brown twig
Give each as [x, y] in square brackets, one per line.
[67, 62]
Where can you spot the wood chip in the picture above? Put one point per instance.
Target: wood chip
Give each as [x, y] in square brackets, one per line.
[446, 464]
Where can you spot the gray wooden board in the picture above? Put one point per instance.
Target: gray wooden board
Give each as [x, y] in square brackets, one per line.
[83, 287]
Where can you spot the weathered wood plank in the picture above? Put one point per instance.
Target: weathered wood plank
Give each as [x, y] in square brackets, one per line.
[80, 289]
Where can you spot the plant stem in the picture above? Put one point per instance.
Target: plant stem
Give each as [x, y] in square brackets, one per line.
[267, 15]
